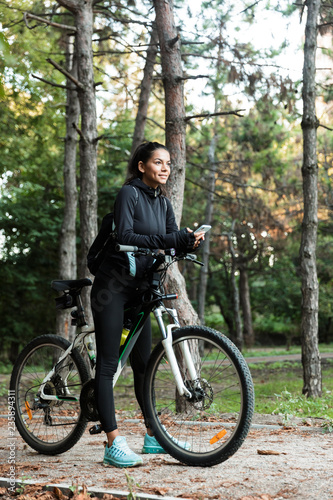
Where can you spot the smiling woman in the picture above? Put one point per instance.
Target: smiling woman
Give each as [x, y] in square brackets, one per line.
[157, 169]
[144, 218]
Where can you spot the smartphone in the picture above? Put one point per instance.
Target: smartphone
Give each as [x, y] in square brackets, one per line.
[204, 228]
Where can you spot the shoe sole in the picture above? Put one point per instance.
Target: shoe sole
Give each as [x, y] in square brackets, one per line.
[121, 465]
[154, 450]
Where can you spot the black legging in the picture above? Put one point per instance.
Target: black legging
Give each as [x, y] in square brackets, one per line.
[108, 298]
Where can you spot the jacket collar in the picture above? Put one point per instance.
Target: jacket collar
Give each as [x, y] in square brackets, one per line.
[153, 193]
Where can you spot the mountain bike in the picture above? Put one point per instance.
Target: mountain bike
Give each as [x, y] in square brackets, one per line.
[198, 388]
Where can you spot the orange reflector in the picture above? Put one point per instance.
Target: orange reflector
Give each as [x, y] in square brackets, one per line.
[218, 436]
[27, 407]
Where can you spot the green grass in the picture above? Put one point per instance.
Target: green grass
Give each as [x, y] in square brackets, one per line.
[280, 351]
[278, 387]
[5, 368]
[278, 390]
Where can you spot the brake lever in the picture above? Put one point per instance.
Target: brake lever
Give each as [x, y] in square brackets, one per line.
[193, 258]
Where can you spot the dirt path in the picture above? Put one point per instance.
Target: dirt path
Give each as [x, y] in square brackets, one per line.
[273, 463]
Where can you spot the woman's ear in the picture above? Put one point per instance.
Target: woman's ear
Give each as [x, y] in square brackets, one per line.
[141, 167]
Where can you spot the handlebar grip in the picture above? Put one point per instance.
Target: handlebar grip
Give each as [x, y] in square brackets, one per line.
[126, 248]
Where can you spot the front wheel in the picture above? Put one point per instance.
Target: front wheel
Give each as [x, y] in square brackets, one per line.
[47, 388]
[209, 425]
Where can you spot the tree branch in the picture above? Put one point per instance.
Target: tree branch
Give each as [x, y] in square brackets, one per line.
[66, 73]
[116, 52]
[117, 4]
[192, 77]
[324, 24]
[52, 83]
[238, 184]
[155, 123]
[27, 16]
[123, 20]
[208, 115]
[79, 131]
[250, 7]
[71, 5]
[324, 126]
[215, 193]
[172, 42]
[184, 42]
[100, 137]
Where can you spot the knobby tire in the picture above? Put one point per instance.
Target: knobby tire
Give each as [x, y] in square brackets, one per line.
[49, 427]
[209, 428]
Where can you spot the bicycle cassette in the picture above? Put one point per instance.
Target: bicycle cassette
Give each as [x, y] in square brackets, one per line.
[88, 401]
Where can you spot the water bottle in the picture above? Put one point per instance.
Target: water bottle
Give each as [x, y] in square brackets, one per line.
[90, 347]
[125, 332]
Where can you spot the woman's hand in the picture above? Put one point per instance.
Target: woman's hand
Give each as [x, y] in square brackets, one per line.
[198, 237]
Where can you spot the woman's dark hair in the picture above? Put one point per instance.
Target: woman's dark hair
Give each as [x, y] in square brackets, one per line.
[142, 153]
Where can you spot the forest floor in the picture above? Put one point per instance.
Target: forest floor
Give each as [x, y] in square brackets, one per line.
[275, 462]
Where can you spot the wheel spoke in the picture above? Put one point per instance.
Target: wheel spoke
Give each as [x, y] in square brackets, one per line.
[214, 421]
[48, 414]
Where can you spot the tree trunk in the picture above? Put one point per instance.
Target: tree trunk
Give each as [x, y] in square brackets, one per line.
[145, 89]
[67, 247]
[203, 279]
[83, 14]
[245, 301]
[309, 323]
[227, 316]
[235, 296]
[175, 129]
[88, 136]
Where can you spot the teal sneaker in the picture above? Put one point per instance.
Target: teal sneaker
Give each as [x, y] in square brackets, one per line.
[151, 445]
[120, 455]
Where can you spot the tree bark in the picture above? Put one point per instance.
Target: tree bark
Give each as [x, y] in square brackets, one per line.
[87, 144]
[227, 316]
[235, 296]
[145, 89]
[67, 247]
[203, 279]
[244, 296]
[175, 130]
[312, 385]
[83, 15]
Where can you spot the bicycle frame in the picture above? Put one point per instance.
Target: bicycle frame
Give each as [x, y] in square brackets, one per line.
[166, 333]
[78, 342]
[154, 303]
[54, 380]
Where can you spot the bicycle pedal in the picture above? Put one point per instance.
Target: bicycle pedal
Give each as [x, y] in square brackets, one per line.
[96, 429]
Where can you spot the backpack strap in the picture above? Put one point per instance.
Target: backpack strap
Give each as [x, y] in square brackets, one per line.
[136, 195]
[136, 202]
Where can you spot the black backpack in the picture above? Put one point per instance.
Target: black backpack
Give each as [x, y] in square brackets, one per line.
[106, 236]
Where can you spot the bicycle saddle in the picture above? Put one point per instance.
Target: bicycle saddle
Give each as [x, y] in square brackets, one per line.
[62, 285]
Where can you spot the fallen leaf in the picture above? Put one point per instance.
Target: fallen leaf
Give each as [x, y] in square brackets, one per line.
[58, 493]
[161, 491]
[269, 452]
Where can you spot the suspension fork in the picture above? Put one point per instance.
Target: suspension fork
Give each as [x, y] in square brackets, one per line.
[167, 344]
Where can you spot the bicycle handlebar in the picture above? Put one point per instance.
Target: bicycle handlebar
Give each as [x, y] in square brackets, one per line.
[148, 251]
[128, 248]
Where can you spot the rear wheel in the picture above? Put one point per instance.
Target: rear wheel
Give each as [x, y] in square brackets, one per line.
[209, 426]
[49, 426]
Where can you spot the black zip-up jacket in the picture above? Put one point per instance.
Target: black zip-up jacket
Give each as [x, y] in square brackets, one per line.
[144, 218]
